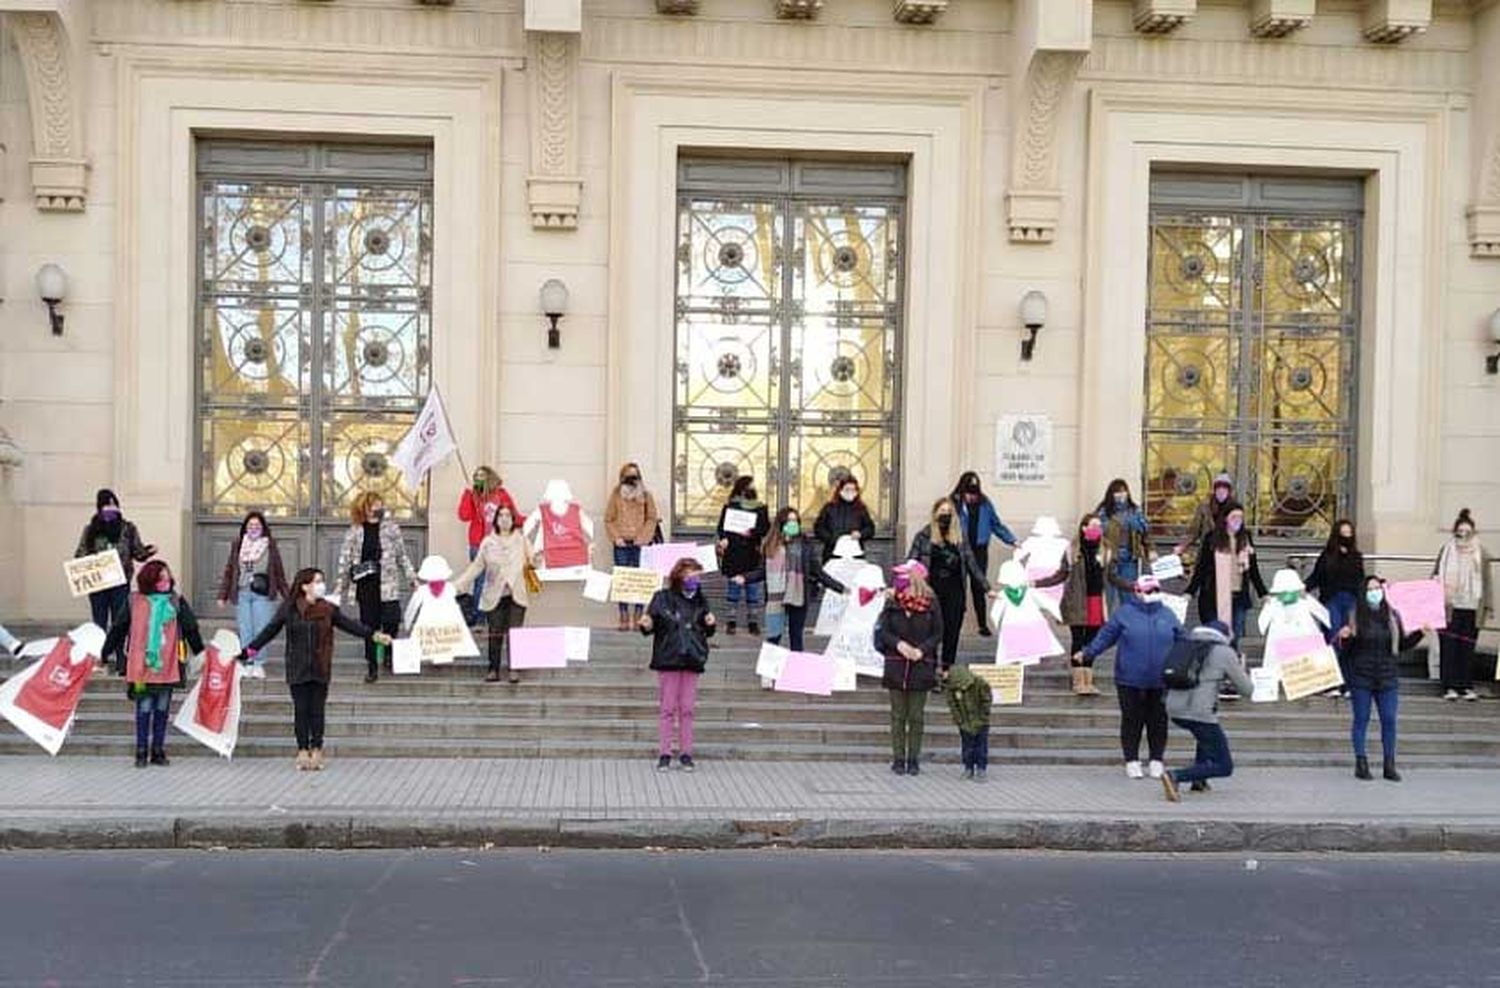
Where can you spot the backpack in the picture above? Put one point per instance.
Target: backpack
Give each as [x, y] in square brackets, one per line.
[1185, 663]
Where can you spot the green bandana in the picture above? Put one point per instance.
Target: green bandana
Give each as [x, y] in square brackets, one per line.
[1290, 597]
[162, 611]
[1015, 594]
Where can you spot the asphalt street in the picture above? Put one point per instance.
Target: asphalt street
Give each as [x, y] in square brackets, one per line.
[484, 918]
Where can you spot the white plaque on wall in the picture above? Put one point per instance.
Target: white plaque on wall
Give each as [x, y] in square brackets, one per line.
[1023, 449]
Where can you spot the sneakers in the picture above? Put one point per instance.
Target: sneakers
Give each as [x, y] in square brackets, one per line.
[1470, 695]
[140, 758]
[912, 768]
[1450, 695]
[1169, 785]
[968, 773]
[981, 775]
[255, 671]
[1201, 786]
[898, 768]
[664, 763]
[686, 761]
[1157, 770]
[1133, 770]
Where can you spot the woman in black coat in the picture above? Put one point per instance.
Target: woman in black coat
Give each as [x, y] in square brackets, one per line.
[680, 625]
[951, 566]
[1227, 551]
[909, 634]
[844, 514]
[740, 558]
[1374, 639]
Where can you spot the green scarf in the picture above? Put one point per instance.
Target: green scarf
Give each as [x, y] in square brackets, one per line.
[162, 611]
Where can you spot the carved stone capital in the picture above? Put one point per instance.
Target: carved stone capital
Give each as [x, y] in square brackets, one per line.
[1163, 16]
[1390, 22]
[1484, 231]
[1033, 201]
[919, 11]
[554, 201]
[798, 10]
[554, 189]
[1279, 18]
[51, 58]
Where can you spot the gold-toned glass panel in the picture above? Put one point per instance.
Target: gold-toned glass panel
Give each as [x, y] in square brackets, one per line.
[1195, 271]
[1305, 381]
[1192, 379]
[376, 357]
[728, 364]
[256, 350]
[378, 244]
[1180, 470]
[255, 461]
[356, 458]
[709, 458]
[257, 239]
[729, 255]
[1307, 275]
[1299, 488]
[849, 258]
[815, 454]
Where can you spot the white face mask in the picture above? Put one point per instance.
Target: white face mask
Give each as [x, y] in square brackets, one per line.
[849, 494]
[319, 589]
[1150, 598]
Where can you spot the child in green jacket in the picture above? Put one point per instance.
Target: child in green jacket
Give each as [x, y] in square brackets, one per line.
[969, 699]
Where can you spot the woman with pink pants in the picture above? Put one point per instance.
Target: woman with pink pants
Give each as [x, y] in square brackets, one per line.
[679, 624]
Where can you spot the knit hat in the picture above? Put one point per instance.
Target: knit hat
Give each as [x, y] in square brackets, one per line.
[912, 567]
[1224, 480]
[103, 497]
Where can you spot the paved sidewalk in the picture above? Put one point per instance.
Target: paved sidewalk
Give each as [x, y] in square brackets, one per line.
[91, 802]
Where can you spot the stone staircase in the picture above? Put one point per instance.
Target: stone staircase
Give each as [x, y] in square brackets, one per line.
[607, 709]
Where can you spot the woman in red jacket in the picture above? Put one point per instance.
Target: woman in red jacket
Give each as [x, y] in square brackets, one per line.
[478, 505]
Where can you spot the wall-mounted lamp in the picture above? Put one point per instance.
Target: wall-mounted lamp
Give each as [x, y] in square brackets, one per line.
[554, 302]
[1033, 317]
[52, 286]
[1492, 362]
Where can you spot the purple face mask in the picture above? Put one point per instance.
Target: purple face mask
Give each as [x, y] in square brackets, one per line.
[109, 511]
[901, 582]
[1221, 494]
[1234, 525]
[690, 585]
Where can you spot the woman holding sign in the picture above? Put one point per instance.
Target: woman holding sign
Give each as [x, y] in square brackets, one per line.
[910, 635]
[845, 514]
[1374, 639]
[501, 563]
[680, 625]
[1462, 567]
[631, 521]
[743, 525]
[108, 531]
[309, 621]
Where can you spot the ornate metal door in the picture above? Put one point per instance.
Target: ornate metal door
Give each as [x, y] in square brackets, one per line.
[789, 308]
[1252, 328]
[314, 310]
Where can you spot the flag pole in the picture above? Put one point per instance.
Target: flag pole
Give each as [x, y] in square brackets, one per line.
[458, 449]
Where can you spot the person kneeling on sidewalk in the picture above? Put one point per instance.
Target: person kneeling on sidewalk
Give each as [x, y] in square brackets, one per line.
[969, 699]
[1195, 708]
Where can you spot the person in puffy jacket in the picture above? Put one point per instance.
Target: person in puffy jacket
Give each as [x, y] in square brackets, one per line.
[969, 699]
[1196, 711]
[1145, 629]
[1374, 640]
[909, 634]
[680, 624]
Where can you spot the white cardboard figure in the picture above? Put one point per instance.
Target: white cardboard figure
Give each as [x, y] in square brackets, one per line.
[435, 603]
[1020, 611]
[1280, 620]
[1042, 554]
[220, 672]
[46, 715]
[846, 564]
[561, 534]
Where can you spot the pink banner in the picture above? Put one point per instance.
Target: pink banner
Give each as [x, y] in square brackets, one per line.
[1297, 646]
[664, 556]
[1024, 641]
[538, 648]
[806, 673]
[1419, 603]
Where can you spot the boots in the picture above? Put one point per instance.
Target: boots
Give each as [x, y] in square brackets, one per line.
[1362, 769]
[140, 758]
[1078, 689]
[315, 760]
[159, 757]
[1088, 681]
[1390, 773]
[304, 759]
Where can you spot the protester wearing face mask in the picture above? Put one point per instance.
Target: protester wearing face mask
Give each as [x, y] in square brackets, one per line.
[1206, 518]
[844, 514]
[108, 530]
[1145, 630]
[680, 624]
[155, 626]
[951, 565]
[1338, 578]
[254, 579]
[909, 634]
[477, 506]
[373, 558]
[501, 563]
[978, 521]
[1125, 532]
[740, 558]
[1085, 572]
[1224, 572]
[1463, 568]
[1374, 638]
[308, 620]
[631, 521]
[794, 570]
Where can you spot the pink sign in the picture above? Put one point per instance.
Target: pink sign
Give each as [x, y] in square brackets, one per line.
[664, 556]
[1026, 641]
[805, 672]
[1419, 603]
[1297, 646]
[538, 648]
[1055, 593]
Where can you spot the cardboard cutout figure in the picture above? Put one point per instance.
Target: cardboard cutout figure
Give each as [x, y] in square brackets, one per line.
[42, 699]
[561, 534]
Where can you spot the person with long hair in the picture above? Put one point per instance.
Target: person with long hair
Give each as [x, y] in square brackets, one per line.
[1206, 517]
[1463, 568]
[740, 558]
[680, 624]
[978, 521]
[1085, 572]
[794, 568]
[477, 505]
[308, 621]
[909, 634]
[1224, 573]
[254, 579]
[844, 514]
[153, 627]
[1374, 638]
[373, 558]
[1127, 534]
[951, 565]
[501, 563]
[631, 520]
[107, 530]
[1338, 578]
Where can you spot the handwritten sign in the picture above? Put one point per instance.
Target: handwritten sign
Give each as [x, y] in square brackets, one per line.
[1005, 682]
[576, 644]
[438, 643]
[406, 657]
[1267, 683]
[1168, 567]
[1023, 449]
[771, 661]
[739, 522]
[1310, 674]
[89, 574]
[596, 586]
[1419, 603]
[633, 585]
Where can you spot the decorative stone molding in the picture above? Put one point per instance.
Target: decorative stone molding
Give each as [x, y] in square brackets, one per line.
[1483, 214]
[1390, 22]
[798, 10]
[680, 7]
[554, 15]
[47, 48]
[554, 189]
[1279, 18]
[1163, 16]
[919, 11]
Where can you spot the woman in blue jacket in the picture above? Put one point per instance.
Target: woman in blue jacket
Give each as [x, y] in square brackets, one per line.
[1145, 629]
[1125, 532]
[978, 520]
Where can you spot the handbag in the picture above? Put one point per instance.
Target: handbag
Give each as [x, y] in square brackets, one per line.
[260, 584]
[657, 538]
[533, 582]
[364, 570]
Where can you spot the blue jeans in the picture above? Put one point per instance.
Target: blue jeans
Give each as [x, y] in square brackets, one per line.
[975, 748]
[628, 555]
[1340, 608]
[471, 615]
[252, 613]
[151, 713]
[1212, 760]
[1386, 701]
[1238, 610]
[796, 624]
[105, 604]
[752, 594]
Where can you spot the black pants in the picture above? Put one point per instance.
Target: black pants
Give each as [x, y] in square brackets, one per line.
[381, 615]
[950, 598]
[1142, 709]
[1082, 635]
[308, 703]
[506, 615]
[978, 589]
[796, 626]
[975, 748]
[1456, 649]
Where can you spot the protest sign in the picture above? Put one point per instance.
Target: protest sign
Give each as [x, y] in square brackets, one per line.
[633, 585]
[1267, 685]
[804, 672]
[538, 648]
[1309, 674]
[438, 643]
[771, 660]
[89, 574]
[406, 657]
[576, 643]
[1005, 682]
[1025, 643]
[1419, 603]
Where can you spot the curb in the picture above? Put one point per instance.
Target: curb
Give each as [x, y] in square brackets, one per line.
[1040, 834]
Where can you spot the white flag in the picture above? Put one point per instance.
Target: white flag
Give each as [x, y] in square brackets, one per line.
[429, 442]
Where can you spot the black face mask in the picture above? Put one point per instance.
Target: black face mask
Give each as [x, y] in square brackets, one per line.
[1347, 541]
[749, 494]
[945, 522]
[632, 481]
